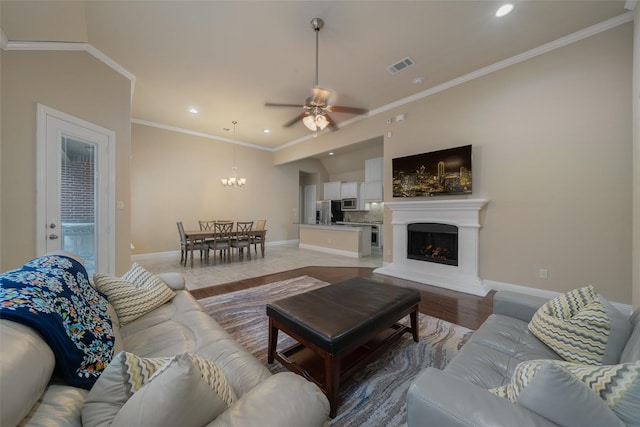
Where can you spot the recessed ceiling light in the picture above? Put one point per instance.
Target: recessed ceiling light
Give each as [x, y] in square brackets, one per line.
[505, 9]
[418, 80]
[331, 153]
[266, 130]
[193, 110]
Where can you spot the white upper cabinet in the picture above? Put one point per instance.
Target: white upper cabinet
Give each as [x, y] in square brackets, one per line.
[372, 191]
[350, 190]
[362, 204]
[373, 169]
[333, 190]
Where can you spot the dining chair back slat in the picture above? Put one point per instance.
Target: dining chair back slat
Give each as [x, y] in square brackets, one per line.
[206, 225]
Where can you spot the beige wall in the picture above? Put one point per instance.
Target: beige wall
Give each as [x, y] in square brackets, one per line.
[552, 144]
[74, 83]
[176, 177]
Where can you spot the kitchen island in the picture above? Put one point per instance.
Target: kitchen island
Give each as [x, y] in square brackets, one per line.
[346, 240]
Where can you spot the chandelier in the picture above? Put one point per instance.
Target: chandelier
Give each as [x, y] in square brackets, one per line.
[234, 181]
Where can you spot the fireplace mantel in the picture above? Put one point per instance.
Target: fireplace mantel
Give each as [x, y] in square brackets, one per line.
[465, 214]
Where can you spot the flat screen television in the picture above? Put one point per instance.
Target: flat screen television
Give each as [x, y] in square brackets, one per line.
[443, 172]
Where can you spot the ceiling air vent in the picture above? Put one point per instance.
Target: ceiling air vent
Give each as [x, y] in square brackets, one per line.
[399, 66]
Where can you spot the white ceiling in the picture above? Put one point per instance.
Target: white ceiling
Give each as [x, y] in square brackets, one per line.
[227, 58]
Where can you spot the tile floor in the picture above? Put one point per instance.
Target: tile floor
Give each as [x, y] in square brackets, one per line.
[277, 259]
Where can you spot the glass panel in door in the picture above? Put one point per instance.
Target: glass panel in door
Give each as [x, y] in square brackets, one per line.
[78, 201]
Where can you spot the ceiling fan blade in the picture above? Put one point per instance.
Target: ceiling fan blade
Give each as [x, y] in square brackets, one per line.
[349, 110]
[332, 124]
[295, 120]
[272, 104]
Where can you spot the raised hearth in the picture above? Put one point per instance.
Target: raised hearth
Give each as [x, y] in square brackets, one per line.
[463, 214]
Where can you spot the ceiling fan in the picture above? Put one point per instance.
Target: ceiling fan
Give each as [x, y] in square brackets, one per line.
[315, 114]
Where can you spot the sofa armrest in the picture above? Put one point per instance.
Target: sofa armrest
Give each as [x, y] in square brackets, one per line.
[283, 400]
[174, 280]
[436, 398]
[519, 306]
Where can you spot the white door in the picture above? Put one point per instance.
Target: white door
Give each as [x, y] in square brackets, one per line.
[309, 204]
[76, 186]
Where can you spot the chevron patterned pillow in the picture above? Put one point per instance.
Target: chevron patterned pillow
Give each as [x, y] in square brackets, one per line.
[131, 301]
[190, 391]
[575, 325]
[177, 390]
[141, 277]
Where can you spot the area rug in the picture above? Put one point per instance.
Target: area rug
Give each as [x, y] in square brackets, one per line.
[374, 396]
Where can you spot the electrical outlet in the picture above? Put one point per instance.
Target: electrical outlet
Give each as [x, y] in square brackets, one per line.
[544, 274]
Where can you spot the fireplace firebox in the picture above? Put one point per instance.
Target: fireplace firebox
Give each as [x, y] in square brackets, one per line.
[433, 242]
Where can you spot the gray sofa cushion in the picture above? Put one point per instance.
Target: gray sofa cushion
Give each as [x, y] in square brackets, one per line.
[560, 397]
[619, 332]
[492, 353]
[631, 351]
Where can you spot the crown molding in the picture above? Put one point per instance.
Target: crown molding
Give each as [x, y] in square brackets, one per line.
[200, 134]
[72, 47]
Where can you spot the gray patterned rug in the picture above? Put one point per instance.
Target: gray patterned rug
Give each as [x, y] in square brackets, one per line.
[374, 396]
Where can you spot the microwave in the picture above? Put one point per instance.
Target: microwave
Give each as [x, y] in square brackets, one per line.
[349, 204]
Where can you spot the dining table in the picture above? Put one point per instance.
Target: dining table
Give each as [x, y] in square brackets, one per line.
[194, 236]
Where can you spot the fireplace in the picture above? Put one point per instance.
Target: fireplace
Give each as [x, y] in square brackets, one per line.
[449, 220]
[433, 242]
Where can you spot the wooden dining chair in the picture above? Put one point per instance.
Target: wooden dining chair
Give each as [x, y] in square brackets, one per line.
[242, 238]
[221, 240]
[185, 245]
[206, 225]
[256, 240]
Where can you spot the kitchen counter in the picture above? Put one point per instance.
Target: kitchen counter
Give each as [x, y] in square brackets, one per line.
[340, 239]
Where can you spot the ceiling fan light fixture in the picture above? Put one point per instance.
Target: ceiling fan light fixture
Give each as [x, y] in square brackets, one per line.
[310, 122]
[315, 122]
[321, 121]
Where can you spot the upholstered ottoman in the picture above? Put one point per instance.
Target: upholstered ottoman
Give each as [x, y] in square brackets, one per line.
[339, 328]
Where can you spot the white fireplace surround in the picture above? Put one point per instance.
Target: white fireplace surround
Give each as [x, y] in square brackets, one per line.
[464, 214]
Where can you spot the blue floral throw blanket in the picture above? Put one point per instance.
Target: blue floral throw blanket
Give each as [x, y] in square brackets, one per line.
[52, 295]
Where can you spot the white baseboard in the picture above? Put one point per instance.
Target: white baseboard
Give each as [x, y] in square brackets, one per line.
[138, 257]
[625, 309]
[331, 251]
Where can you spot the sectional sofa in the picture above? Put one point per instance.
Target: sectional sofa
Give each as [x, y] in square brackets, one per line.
[32, 391]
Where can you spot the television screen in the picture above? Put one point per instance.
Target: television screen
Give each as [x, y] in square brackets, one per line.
[443, 172]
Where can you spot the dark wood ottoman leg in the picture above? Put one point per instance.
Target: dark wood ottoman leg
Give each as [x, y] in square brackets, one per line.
[414, 324]
[273, 341]
[332, 376]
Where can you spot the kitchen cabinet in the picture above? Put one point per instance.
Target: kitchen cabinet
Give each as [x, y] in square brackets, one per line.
[349, 190]
[371, 191]
[333, 190]
[373, 169]
[362, 203]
